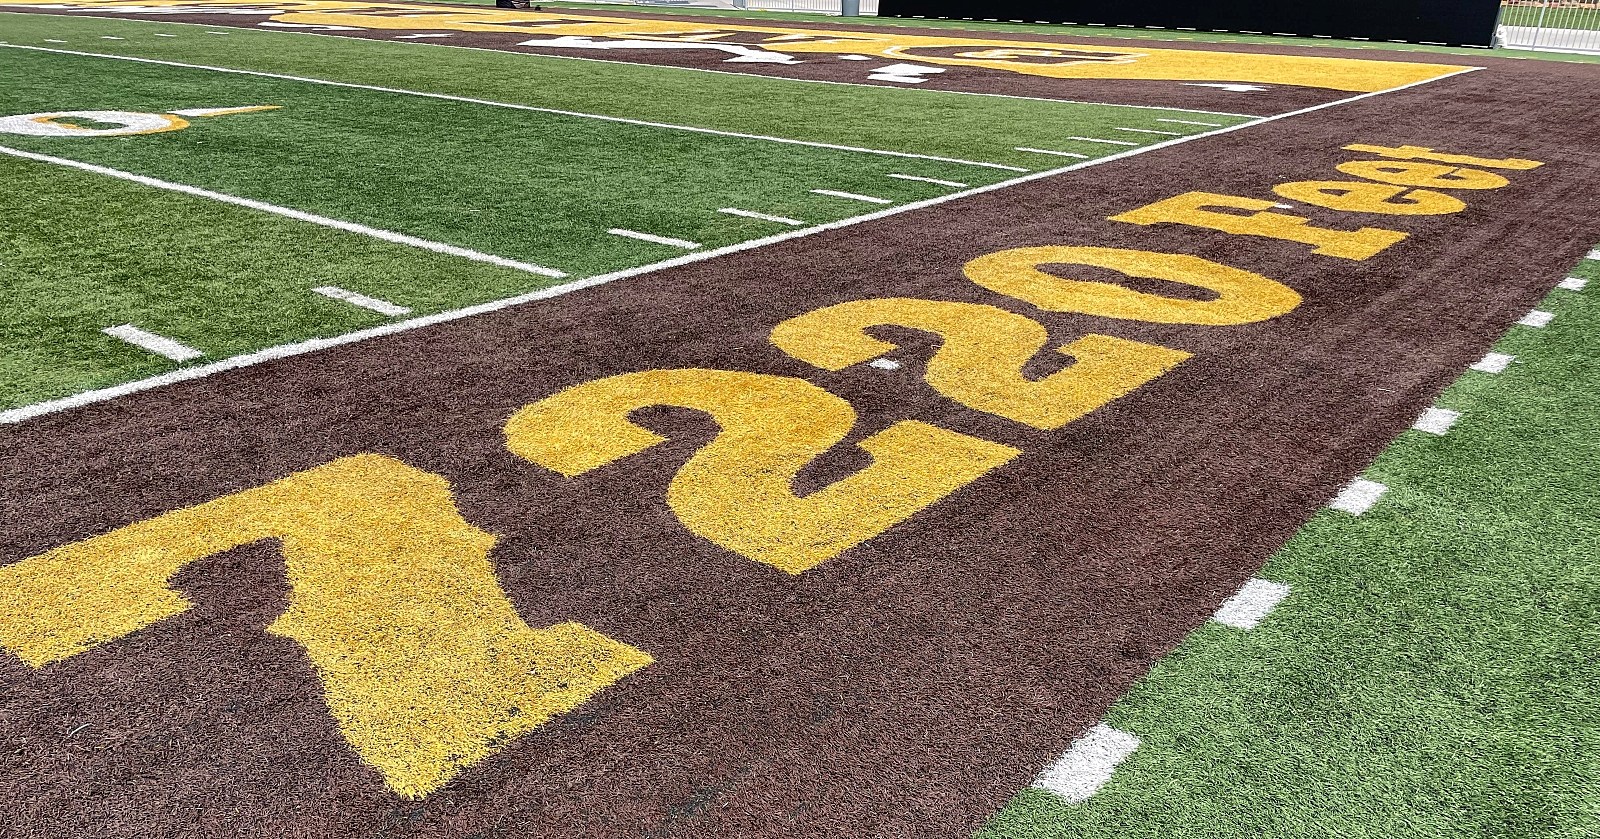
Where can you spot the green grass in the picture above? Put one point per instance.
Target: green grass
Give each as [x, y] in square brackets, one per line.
[980, 28]
[531, 186]
[1432, 673]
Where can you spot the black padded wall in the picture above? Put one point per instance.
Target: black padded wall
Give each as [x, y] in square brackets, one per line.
[1469, 22]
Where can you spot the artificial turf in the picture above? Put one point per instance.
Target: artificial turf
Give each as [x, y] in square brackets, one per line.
[1432, 672]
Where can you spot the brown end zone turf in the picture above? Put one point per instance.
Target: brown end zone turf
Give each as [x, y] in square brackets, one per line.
[904, 688]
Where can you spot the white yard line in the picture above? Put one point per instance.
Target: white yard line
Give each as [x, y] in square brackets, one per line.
[382, 307]
[1055, 152]
[1251, 604]
[1088, 764]
[288, 212]
[1570, 283]
[735, 211]
[315, 344]
[939, 181]
[1358, 496]
[151, 342]
[557, 111]
[1494, 362]
[1536, 318]
[1099, 140]
[1191, 122]
[1152, 131]
[651, 237]
[1436, 421]
[870, 199]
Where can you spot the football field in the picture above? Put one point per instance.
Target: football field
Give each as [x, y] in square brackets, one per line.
[421, 419]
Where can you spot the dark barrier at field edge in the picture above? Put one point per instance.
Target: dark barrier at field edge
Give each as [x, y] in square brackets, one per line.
[1460, 22]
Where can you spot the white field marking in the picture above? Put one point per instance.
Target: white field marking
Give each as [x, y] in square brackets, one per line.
[1594, 254]
[1151, 131]
[111, 38]
[781, 78]
[151, 342]
[1098, 140]
[651, 237]
[54, 41]
[886, 77]
[856, 57]
[1250, 604]
[163, 35]
[382, 307]
[734, 211]
[297, 215]
[1436, 421]
[1088, 764]
[1570, 283]
[884, 364]
[315, 344]
[1190, 122]
[1057, 153]
[939, 181]
[870, 199]
[490, 103]
[1536, 318]
[422, 35]
[1493, 362]
[1358, 496]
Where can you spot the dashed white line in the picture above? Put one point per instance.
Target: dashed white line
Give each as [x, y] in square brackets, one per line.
[1536, 318]
[884, 364]
[422, 35]
[382, 307]
[939, 181]
[54, 41]
[1250, 604]
[151, 342]
[1493, 362]
[1088, 764]
[534, 108]
[1358, 496]
[1152, 131]
[1054, 152]
[651, 237]
[1190, 122]
[1573, 284]
[870, 199]
[297, 215]
[111, 38]
[1436, 421]
[1100, 140]
[163, 35]
[734, 211]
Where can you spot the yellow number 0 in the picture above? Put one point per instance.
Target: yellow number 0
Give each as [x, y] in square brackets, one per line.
[426, 666]
[980, 362]
[737, 491]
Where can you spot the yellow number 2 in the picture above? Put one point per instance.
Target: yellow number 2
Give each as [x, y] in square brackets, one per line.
[425, 665]
[980, 362]
[738, 491]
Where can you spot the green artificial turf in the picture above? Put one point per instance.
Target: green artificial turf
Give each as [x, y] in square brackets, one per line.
[1433, 671]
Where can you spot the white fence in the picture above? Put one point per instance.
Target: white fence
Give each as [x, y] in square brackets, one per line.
[1553, 25]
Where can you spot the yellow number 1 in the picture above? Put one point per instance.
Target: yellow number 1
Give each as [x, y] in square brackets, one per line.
[426, 666]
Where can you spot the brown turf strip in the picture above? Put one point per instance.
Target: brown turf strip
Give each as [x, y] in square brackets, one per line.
[904, 689]
[827, 67]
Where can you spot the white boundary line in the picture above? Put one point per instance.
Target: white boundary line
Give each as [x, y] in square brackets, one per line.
[311, 345]
[22, 11]
[288, 212]
[493, 104]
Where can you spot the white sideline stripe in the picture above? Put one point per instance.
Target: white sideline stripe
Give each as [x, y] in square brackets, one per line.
[939, 181]
[1088, 764]
[1570, 283]
[1098, 140]
[651, 237]
[735, 211]
[490, 103]
[1436, 420]
[298, 215]
[1152, 131]
[852, 196]
[280, 351]
[1493, 362]
[151, 342]
[1536, 318]
[736, 73]
[1059, 153]
[382, 307]
[1191, 122]
[1250, 604]
[1358, 496]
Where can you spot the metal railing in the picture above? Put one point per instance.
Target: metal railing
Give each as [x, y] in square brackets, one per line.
[1553, 25]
